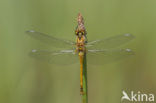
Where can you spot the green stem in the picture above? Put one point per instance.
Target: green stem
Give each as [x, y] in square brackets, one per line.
[85, 89]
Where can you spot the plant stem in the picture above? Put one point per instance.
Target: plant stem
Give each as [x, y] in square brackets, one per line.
[85, 88]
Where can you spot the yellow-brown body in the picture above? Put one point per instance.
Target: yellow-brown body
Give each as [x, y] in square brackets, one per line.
[80, 46]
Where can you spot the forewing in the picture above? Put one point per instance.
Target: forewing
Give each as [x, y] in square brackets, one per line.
[111, 42]
[59, 43]
[63, 57]
[98, 57]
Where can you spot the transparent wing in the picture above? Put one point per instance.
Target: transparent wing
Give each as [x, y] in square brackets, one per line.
[98, 57]
[60, 43]
[111, 42]
[62, 57]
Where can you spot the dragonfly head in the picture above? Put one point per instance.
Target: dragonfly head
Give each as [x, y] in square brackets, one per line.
[79, 34]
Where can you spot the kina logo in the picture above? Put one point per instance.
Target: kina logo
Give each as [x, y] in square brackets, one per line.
[137, 97]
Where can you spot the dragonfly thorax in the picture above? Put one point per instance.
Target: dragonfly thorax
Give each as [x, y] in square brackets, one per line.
[80, 42]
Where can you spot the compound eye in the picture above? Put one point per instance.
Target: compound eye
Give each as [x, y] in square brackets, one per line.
[76, 32]
[83, 33]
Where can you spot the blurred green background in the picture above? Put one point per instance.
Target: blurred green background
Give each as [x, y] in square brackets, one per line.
[25, 80]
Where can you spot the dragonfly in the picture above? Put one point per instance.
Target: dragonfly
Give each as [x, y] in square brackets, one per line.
[97, 51]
